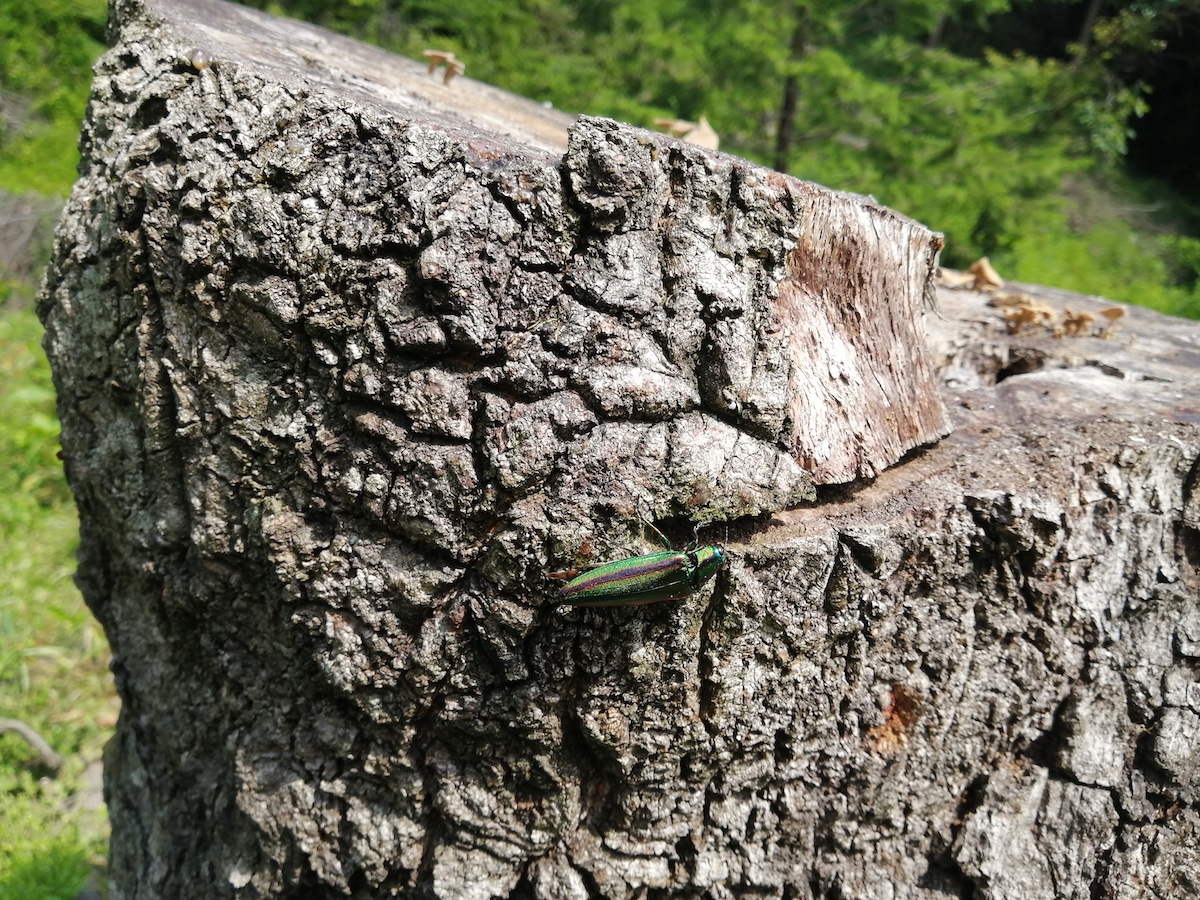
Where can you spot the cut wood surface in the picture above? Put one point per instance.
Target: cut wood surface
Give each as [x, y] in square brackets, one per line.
[350, 360]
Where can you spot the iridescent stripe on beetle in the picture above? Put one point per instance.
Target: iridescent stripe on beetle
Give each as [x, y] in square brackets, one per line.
[651, 578]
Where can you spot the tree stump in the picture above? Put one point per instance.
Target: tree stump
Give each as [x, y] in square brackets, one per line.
[350, 361]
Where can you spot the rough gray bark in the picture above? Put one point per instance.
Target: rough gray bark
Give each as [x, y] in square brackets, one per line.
[339, 385]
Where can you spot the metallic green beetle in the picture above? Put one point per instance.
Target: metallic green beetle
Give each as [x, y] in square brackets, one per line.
[667, 575]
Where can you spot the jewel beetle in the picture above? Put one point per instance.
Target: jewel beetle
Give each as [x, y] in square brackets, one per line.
[653, 577]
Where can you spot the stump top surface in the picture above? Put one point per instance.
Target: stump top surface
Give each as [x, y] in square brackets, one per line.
[304, 55]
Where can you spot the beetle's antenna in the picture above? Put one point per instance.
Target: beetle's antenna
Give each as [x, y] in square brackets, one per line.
[662, 537]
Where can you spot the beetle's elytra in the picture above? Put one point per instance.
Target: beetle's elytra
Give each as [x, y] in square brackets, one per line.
[667, 575]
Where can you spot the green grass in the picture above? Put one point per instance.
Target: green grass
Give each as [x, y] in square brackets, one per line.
[53, 658]
[1122, 239]
[45, 852]
[46, 53]
[42, 160]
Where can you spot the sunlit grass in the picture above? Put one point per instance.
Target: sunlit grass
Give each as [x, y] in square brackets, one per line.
[1117, 239]
[53, 657]
[48, 849]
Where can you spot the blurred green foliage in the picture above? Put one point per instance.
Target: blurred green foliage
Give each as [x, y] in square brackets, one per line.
[46, 53]
[53, 657]
[44, 852]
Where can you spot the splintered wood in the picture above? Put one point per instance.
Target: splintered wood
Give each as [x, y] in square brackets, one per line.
[1023, 313]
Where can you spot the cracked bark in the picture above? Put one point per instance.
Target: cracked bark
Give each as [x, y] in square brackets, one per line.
[348, 360]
